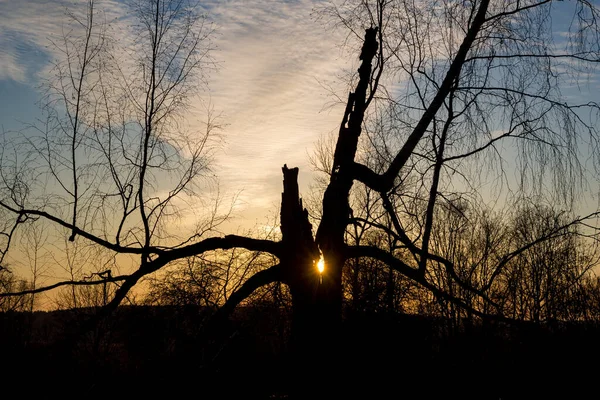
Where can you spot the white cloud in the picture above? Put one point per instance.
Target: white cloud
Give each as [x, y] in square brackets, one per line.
[271, 56]
[9, 65]
[27, 28]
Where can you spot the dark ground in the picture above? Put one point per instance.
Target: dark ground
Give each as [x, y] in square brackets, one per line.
[156, 351]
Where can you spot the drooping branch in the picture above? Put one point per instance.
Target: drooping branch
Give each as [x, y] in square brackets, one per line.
[295, 226]
[398, 265]
[424, 254]
[227, 242]
[561, 104]
[385, 257]
[122, 291]
[417, 274]
[165, 256]
[580, 56]
[296, 248]
[81, 232]
[215, 243]
[518, 8]
[111, 279]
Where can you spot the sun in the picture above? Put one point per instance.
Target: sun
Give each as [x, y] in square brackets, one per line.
[321, 265]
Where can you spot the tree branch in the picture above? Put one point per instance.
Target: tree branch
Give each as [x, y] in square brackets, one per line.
[81, 232]
[227, 242]
[261, 278]
[383, 183]
[111, 279]
[398, 265]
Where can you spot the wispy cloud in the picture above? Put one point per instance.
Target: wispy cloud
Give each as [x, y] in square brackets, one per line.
[24, 27]
[27, 29]
[271, 57]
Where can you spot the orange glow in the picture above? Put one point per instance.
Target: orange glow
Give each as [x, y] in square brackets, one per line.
[321, 265]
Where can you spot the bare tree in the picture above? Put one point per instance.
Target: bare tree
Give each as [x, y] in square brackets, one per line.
[113, 163]
[207, 280]
[9, 283]
[541, 280]
[473, 75]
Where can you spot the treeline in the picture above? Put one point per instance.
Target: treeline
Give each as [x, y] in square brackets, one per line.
[529, 266]
[532, 264]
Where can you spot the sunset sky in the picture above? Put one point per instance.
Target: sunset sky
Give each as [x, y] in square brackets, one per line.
[275, 63]
[276, 69]
[273, 60]
[449, 184]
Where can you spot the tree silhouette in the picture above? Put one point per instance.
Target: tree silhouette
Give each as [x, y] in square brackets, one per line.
[475, 75]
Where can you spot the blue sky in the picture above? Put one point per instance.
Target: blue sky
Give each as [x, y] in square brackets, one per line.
[272, 57]
[274, 60]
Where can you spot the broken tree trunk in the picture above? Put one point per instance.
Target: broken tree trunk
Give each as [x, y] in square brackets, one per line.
[317, 298]
[299, 257]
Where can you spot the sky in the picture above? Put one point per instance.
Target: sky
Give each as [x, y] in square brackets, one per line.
[274, 62]
[275, 58]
